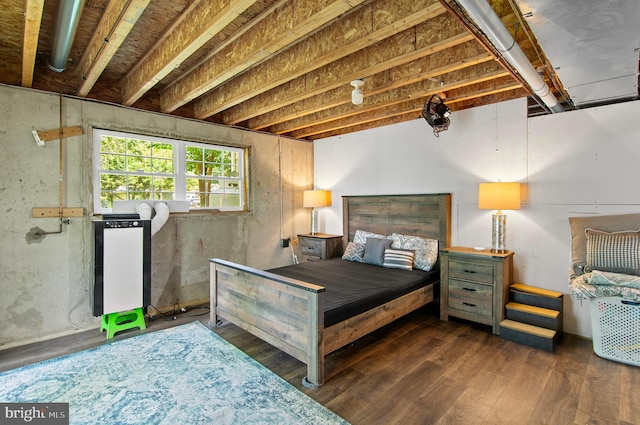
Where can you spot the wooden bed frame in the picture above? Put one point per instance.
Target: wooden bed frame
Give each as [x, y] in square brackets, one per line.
[289, 314]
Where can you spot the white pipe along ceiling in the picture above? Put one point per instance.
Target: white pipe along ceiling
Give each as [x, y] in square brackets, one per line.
[486, 19]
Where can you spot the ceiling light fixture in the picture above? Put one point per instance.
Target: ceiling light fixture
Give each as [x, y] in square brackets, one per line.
[356, 95]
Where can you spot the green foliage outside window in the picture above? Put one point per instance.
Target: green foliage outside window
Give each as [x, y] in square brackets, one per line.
[138, 169]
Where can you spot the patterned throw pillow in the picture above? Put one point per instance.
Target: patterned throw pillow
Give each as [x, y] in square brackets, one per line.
[617, 252]
[425, 250]
[354, 252]
[362, 235]
[398, 259]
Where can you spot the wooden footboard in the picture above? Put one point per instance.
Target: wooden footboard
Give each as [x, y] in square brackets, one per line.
[289, 313]
[286, 313]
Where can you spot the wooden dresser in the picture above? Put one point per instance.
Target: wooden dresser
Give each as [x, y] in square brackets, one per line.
[474, 285]
[319, 246]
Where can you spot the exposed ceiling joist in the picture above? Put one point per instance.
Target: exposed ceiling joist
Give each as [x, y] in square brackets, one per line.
[356, 31]
[290, 22]
[285, 66]
[117, 21]
[396, 50]
[425, 68]
[32, 20]
[192, 30]
[418, 90]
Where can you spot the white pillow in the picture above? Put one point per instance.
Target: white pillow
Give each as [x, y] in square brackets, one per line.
[362, 235]
[425, 250]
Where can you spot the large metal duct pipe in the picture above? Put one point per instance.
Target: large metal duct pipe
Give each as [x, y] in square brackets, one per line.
[486, 19]
[64, 31]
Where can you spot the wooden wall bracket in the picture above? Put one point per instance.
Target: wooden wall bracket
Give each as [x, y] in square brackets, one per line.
[37, 212]
[48, 135]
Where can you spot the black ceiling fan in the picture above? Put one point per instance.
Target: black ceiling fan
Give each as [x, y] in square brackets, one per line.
[437, 114]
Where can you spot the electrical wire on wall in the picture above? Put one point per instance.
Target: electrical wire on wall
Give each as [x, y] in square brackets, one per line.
[40, 232]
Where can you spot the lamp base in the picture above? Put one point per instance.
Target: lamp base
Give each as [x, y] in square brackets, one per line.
[498, 233]
[314, 221]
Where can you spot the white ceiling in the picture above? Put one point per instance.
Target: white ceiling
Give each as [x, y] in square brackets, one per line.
[592, 44]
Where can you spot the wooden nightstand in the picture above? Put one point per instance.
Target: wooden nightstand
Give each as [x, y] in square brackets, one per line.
[474, 285]
[319, 246]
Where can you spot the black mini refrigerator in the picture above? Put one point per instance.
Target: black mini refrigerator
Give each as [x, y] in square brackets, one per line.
[122, 264]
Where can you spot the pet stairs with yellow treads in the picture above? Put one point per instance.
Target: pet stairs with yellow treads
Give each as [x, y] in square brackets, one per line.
[533, 316]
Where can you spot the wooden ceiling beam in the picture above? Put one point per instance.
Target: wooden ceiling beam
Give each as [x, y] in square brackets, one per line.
[291, 22]
[372, 115]
[356, 31]
[398, 49]
[32, 19]
[407, 116]
[197, 25]
[117, 21]
[296, 116]
[411, 110]
[420, 90]
[485, 88]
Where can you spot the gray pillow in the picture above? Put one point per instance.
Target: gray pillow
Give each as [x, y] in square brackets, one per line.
[606, 223]
[615, 252]
[374, 250]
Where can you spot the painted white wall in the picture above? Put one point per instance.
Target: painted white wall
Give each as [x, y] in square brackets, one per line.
[575, 163]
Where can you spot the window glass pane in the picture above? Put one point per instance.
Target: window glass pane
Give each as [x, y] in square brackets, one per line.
[194, 154]
[113, 182]
[109, 162]
[164, 166]
[194, 168]
[163, 184]
[107, 198]
[230, 171]
[139, 164]
[110, 144]
[138, 147]
[140, 184]
[162, 150]
[140, 167]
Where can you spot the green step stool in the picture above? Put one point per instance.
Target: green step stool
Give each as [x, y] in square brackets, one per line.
[116, 322]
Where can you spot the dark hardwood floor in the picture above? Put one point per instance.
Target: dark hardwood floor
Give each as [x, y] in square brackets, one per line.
[420, 370]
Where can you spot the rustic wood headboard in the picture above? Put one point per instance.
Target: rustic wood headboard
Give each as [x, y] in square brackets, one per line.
[426, 215]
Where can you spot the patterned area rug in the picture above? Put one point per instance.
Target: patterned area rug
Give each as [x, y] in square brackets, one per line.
[182, 375]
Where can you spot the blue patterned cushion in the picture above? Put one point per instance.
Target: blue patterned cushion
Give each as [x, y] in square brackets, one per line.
[398, 259]
[426, 250]
[354, 252]
[617, 252]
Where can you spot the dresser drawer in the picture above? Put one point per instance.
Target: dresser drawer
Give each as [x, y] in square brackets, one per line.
[470, 297]
[477, 271]
[313, 247]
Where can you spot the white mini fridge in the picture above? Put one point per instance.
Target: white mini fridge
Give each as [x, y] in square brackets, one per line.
[122, 264]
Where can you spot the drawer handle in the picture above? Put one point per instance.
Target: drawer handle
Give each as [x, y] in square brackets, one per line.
[470, 289]
[470, 271]
[469, 304]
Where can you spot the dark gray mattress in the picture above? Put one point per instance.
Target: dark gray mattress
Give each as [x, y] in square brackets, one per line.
[353, 288]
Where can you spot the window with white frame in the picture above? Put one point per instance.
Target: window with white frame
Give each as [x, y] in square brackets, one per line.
[138, 167]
